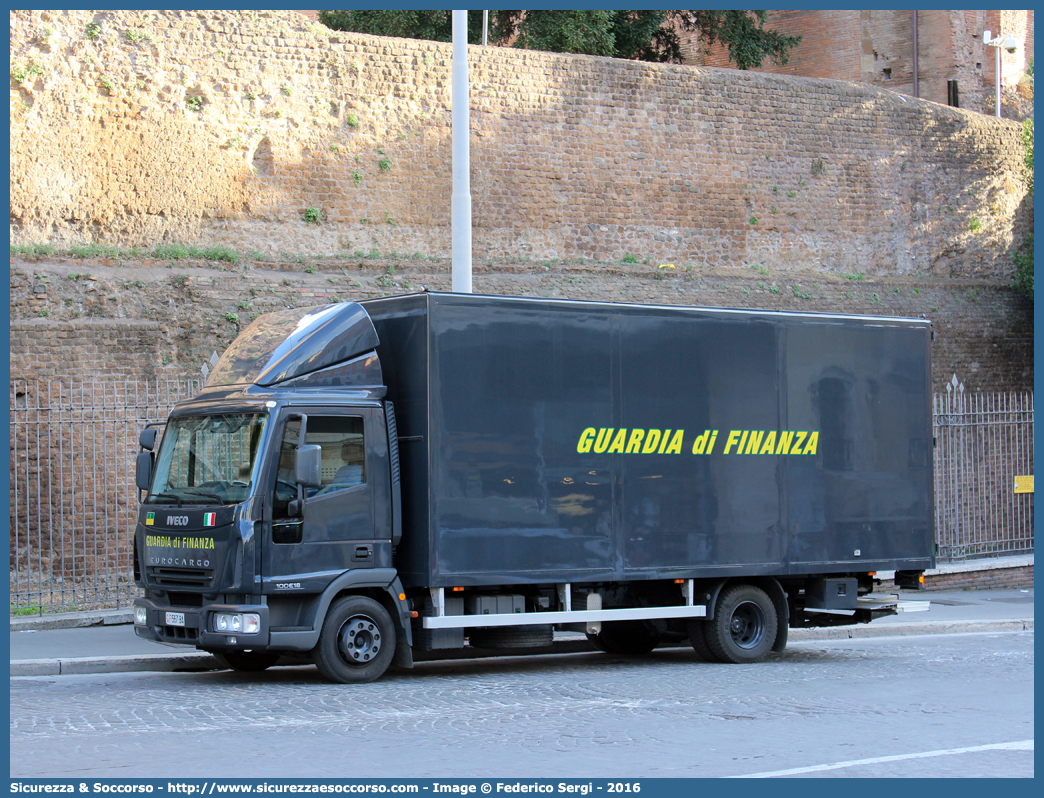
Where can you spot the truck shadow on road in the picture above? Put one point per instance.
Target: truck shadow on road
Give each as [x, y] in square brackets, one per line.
[590, 663]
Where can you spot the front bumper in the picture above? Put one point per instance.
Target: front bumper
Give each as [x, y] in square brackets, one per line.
[199, 624]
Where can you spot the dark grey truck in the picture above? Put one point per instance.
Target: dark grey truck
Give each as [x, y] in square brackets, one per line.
[436, 474]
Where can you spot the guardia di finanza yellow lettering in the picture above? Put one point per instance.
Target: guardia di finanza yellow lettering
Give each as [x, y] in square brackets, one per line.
[613, 440]
[167, 542]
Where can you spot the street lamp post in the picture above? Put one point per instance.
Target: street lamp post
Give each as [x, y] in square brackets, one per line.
[460, 200]
[1006, 42]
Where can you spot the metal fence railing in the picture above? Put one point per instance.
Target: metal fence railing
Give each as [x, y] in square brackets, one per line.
[73, 502]
[983, 441]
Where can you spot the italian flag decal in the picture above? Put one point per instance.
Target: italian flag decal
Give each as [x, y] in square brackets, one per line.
[208, 519]
[150, 519]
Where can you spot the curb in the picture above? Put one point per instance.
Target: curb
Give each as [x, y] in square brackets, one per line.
[199, 661]
[72, 620]
[915, 628]
[117, 664]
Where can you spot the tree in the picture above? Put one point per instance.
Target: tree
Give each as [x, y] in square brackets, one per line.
[744, 33]
[585, 32]
[433, 25]
[1023, 259]
[638, 35]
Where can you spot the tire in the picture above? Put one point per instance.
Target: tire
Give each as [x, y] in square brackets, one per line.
[511, 637]
[744, 625]
[698, 639]
[357, 641]
[246, 661]
[630, 638]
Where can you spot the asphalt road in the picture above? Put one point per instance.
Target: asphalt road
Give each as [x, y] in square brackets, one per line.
[927, 706]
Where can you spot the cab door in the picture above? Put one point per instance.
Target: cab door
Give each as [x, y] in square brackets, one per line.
[333, 529]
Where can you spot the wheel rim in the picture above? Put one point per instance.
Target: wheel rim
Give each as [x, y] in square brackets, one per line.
[747, 625]
[359, 640]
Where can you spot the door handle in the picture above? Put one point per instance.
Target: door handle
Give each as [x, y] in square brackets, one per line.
[362, 552]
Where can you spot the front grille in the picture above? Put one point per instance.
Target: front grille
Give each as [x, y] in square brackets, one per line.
[165, 576]
[178, 634]
[185, 599]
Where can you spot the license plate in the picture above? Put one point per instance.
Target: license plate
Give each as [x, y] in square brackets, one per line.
[175, 619]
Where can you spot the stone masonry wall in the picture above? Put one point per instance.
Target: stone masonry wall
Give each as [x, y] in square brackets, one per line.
[141, 127]
[1016, 578]
[86, 349]
[80, 319]
[876, 47]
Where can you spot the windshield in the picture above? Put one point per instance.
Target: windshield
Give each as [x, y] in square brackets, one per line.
[208, 460]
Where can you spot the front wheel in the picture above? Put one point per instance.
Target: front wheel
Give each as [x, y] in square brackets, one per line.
[744, 625]
[246, 661]
[357, 641]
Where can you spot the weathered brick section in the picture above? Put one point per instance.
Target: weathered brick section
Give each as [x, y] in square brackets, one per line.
[998, 579]
[1017, 578]
[224, 127]
[984, 332]
[88, 349]
[876, 47]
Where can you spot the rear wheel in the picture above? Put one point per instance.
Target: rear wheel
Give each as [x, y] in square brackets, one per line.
[632, 638]
[246, 661]
[744, 625]
[357, 641]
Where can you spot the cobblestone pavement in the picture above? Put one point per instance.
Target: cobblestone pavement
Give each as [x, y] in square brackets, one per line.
[583, 715]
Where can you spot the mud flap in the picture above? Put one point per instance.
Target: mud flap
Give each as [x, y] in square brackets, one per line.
[782, 631]
[403, 653]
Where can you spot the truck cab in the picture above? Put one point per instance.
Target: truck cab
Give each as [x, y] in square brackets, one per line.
[272, 491]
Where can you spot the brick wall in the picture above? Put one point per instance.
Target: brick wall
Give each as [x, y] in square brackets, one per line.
[224, 127]
[831, 45]
[1018, 578]
[876, 47]
[88, 349]
[996, 579]
[145, 319]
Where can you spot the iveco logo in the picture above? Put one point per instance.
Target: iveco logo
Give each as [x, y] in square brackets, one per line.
[177, 520]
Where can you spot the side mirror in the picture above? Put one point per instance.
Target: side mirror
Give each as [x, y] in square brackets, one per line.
[147, 439]
[143, 469]
[308, 462]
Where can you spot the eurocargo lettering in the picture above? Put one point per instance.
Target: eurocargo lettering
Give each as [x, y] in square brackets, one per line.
[439, 474]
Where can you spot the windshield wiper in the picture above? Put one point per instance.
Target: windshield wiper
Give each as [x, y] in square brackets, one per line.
[208, 495]
[165, 496]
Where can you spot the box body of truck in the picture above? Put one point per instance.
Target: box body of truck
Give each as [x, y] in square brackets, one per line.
[644, 474]
[546, 441]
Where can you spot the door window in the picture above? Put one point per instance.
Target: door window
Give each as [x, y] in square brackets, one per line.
[344, 451]
[343, 456]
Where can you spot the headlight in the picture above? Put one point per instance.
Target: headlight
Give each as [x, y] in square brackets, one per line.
[141, 616]
[236, 622]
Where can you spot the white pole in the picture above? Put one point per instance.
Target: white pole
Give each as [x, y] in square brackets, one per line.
[998, 49]
[461, 201]
[485, 28]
